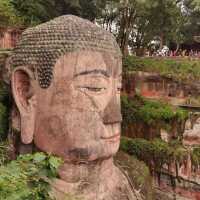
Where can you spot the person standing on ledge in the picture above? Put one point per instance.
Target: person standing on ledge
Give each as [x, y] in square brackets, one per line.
[66, 83]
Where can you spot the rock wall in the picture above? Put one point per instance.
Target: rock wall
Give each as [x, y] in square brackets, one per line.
[181, 182]
[155, 86]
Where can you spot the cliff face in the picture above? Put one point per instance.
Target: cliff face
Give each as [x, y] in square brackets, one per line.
[156, 86]
[183, 180]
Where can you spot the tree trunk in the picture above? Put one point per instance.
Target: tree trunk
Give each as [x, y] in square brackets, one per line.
[128, 15]
[177, 48]
[161, 40]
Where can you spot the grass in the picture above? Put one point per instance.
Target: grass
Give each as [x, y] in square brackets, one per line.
[177, 69]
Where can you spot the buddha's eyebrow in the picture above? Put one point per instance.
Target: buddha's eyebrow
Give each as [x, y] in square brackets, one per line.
[95, 71]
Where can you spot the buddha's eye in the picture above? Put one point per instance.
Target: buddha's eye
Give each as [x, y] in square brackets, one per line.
[94, 89]
[92, 84]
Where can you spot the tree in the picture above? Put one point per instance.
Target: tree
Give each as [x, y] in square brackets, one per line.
[164, 18]
[127, 13]
[192, 27]
[34, 11]
[119, 17]
[141, 34]
[7, 15]
[37, 11]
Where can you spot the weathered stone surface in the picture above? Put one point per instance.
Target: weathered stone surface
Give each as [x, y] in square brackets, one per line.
[66, 85]
[155, 86]
[182, 189]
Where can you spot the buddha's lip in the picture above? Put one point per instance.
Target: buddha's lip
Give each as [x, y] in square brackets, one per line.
[117, 136]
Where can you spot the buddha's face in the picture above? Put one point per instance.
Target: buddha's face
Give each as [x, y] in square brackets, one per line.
[78, 116]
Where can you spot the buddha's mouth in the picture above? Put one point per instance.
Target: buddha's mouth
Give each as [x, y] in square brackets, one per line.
[114, 138]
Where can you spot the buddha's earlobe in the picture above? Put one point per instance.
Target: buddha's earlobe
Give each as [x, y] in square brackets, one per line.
[25, 99]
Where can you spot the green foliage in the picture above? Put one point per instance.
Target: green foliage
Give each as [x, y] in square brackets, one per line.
[138, 147]
[180, 70]
[156, 151]
[192, 27]
[27, 177]
[37, 11]
[138, 173]
[7, 14]
[149, 112]
[129, 108]
[34, 11]
[137, 22]
[4, 152]
[164, 18]
[195, 157]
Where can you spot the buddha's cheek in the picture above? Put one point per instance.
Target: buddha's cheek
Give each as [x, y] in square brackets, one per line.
[68, 133]
[71, 126]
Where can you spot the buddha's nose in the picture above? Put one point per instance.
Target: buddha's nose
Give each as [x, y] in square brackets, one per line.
[112, 112]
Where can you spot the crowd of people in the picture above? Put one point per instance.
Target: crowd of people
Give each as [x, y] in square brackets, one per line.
[166, 52]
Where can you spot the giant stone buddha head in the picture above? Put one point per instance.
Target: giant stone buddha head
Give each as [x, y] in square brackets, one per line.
[66, 83]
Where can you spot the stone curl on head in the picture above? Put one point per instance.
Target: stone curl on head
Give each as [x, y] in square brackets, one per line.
[41, 46]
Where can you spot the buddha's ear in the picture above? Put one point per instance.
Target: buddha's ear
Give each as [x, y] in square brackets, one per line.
[25, 98]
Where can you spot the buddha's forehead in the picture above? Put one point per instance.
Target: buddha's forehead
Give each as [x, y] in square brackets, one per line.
[82, 63]
[97, 62]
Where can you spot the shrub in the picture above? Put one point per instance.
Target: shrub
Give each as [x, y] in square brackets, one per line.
[139, 109]
[156, 151]
[23, 178]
